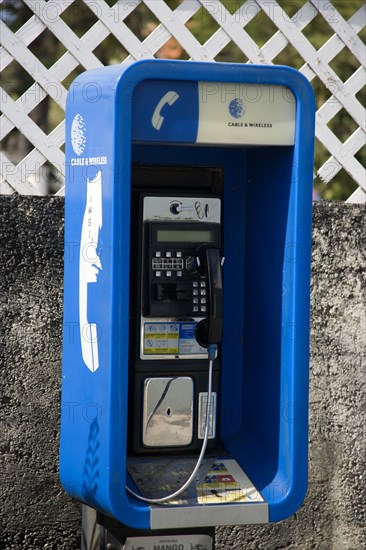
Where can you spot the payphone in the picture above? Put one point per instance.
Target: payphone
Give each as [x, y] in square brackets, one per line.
[187, 164]
[178, 301]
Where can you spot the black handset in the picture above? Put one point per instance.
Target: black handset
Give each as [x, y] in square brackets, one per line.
[209, 330]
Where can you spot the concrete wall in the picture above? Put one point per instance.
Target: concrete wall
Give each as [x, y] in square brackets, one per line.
[35, 513]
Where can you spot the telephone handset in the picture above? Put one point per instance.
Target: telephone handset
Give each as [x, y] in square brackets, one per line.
[209, 330]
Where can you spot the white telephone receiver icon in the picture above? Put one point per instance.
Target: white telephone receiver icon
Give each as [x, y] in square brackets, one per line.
[89, 268]
[170, 98]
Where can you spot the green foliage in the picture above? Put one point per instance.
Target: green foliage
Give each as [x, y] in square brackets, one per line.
[203, 25]
[260, 28]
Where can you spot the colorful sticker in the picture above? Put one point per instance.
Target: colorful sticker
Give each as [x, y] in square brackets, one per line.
[187, 341]
[171, 339]
[226, 482]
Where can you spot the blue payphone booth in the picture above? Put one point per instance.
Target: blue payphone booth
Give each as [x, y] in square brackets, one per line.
[187, 224]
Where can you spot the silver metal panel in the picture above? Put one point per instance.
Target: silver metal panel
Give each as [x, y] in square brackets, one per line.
[207, 516]
[196, 209]
[202, 410]
[178, 542]
[222, 495]
[167, 412]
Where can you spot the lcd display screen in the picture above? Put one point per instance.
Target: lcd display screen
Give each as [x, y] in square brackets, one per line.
[184, 235]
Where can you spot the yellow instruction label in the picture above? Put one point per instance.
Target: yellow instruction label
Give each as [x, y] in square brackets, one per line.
[161, 338]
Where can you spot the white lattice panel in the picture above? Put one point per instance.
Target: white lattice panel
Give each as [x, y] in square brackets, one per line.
[18, 175]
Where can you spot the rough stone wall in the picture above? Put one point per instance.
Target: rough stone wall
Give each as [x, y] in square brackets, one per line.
[34, 511]
[333, 516]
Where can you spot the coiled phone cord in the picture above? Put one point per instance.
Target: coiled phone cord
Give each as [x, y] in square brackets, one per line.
[212, 350]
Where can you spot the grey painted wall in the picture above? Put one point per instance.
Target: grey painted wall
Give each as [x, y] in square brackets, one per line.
[35, 512]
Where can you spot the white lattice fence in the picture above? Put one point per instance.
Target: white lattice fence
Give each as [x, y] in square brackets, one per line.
[172, 19]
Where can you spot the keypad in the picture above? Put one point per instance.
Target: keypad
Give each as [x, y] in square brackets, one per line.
[199, 297]
[169, 263]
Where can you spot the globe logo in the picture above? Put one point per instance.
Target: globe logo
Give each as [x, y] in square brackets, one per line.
[237, 108]
[78, 139]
